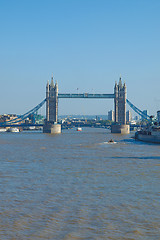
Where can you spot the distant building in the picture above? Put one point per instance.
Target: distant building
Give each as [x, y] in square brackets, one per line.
[145, 112]
[128, 116]
[111, 115]
[97, 118]
[136, 118]
[7, 117]
[158, 116]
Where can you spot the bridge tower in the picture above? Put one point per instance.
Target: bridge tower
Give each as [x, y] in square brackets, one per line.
[120, 93]
[51, 101]
[50, 125]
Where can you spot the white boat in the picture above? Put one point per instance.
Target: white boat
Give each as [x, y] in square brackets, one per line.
[3, 129]
[32, 128]
[13, 129]
[79, 129]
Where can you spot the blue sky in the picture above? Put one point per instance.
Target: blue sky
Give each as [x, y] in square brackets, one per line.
[87, 44]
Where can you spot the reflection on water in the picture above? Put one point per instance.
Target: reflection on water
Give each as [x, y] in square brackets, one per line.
[76, 186]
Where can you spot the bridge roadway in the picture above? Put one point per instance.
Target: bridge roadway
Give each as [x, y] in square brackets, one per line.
[84, 95]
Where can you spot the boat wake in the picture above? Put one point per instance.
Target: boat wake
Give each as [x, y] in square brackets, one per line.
[108, 143]
[112, 142]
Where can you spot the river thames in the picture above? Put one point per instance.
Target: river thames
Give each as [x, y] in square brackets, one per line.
[76, 186]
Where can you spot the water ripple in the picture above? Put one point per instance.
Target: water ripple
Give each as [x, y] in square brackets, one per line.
[76, 186]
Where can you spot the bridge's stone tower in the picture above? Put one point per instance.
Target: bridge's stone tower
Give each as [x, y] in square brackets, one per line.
[120, 102]
[52, 102]
[120, 93]
[51, 125]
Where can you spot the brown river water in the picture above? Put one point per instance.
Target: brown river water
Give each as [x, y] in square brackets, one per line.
[76, 186]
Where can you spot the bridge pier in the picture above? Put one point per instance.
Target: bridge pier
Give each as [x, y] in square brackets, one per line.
[51, 128]
[122, 129]
[50, 125]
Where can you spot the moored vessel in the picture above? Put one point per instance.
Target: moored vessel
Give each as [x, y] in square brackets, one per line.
[150, 134]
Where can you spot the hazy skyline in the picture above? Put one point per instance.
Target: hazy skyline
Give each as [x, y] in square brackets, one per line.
[87, 44]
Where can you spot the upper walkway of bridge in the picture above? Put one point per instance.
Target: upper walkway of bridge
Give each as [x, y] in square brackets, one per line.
[84, 95]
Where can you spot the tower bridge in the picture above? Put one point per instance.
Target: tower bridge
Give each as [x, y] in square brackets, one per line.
[52, 97]
[51, 100]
